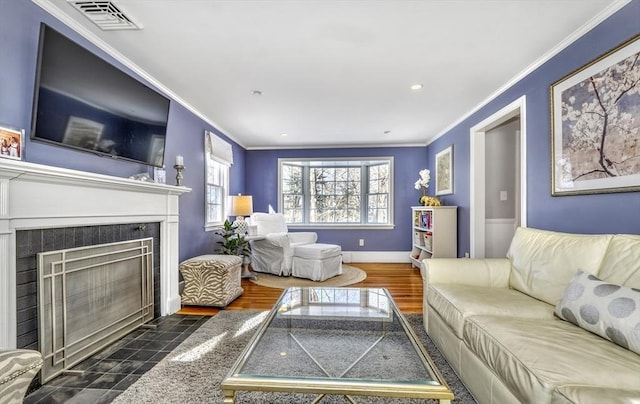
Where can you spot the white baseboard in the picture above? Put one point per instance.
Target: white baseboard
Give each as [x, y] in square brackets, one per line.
[375, 256]
[174, 305]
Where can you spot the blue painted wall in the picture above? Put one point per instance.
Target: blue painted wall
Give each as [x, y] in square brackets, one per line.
[602, 213]
[407, 162]
[19, 32]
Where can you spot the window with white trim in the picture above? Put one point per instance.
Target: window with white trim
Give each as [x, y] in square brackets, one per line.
[341, 192]
[218, 159]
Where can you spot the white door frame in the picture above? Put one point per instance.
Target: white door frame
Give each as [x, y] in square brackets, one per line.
[477, 171]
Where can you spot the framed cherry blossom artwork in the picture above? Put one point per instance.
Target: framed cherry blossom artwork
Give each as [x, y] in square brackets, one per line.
[11, 143]
[595, 128]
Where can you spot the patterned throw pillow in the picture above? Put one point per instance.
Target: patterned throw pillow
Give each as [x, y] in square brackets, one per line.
[608, 310]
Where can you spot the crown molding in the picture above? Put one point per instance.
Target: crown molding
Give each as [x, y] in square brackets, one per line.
[343, 146]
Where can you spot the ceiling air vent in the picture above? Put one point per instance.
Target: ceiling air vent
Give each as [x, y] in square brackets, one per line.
[105, 14]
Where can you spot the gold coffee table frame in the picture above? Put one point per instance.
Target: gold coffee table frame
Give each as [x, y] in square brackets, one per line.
[236, 380]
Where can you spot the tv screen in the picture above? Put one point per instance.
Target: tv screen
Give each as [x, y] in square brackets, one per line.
[85, 103]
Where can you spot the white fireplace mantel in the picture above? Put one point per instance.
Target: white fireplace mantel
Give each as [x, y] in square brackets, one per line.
[34, 196]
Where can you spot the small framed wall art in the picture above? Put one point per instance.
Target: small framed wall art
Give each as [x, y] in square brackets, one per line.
[11, 143]
[444, 171]
[595, 131]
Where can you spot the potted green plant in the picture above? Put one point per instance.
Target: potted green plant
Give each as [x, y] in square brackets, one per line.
[232, 243]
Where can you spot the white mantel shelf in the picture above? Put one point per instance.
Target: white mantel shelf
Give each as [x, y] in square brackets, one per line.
[35, 196]
[38, 172]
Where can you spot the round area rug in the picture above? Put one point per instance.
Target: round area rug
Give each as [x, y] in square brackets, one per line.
[350, 275]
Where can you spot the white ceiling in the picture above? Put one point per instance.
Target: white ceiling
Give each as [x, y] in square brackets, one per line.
[336, 73]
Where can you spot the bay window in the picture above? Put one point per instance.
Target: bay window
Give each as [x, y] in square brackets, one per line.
[336, 192]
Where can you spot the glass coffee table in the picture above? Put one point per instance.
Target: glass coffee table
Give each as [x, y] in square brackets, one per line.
[336, 341]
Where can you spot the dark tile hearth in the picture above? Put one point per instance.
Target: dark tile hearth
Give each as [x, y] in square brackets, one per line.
[109, 372]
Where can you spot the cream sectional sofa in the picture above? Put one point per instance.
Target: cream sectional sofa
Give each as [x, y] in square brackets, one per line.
[495, 322]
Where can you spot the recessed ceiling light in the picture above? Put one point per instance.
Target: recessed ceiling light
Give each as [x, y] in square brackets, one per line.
[257, 93]
[416, 87]
[283, 134]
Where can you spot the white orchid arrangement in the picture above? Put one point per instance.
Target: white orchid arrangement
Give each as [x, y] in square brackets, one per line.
[423, 182]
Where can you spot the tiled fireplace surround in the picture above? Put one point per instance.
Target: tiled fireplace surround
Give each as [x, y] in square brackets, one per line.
[46, 208]
[31, 242]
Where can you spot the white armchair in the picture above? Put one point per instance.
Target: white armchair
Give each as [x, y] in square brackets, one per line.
[274, 253]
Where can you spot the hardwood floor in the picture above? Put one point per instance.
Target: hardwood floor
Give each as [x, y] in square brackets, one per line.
[403, 282]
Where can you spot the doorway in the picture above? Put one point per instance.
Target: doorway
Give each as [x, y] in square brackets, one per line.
[497, 178]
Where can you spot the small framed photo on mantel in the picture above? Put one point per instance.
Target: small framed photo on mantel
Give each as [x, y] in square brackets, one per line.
[11, 143]
[159, 175]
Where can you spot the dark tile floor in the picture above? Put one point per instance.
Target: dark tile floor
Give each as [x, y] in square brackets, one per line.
[109, 372]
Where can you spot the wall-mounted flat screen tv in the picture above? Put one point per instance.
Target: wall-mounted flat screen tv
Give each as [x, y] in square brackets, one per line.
[85, 103]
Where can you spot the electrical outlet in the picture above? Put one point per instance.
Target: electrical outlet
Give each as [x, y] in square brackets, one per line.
[361, 242]
[503, 195]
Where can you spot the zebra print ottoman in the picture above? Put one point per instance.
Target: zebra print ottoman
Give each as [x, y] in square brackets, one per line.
[211, 280]
[17, 369]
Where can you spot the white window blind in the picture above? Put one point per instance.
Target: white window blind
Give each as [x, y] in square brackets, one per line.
[218, 159]
[220, 150]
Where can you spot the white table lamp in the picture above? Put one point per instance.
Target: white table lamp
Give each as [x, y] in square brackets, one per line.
[241, 206]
